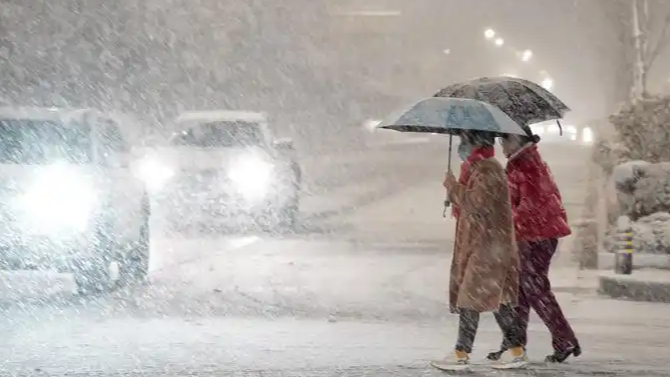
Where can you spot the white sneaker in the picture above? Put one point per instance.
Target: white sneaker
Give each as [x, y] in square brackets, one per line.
[452, 363]
[509, 361]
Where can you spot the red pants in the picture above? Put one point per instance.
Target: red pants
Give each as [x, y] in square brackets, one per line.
[535, 292]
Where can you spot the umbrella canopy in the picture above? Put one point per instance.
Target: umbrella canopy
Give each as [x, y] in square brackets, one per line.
[451, 116]
[523, 100]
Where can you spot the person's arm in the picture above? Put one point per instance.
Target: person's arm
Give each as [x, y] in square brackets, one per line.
[476, 198]
[523, 206]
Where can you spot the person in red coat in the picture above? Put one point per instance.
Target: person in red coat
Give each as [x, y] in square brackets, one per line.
[539, 221]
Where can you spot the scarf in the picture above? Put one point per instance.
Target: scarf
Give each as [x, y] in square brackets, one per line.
[478, 154]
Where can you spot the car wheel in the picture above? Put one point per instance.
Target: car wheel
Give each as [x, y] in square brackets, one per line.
[92, 279]
[92, 274]
[288, 216]
[134, 266]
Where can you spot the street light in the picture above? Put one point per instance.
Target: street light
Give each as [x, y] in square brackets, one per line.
[526, 55]
[489, 33]
[499, 42]
[547, 83]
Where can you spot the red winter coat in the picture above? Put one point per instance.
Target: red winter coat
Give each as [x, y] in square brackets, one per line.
[536, 201]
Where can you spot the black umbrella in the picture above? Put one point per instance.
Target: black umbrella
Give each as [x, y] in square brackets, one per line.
[524, 101]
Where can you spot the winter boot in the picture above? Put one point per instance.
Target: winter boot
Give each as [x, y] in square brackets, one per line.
[515, 358]
[495, 356]
[561, 356]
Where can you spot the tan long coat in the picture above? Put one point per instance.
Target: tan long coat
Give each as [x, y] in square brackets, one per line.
[485, 266]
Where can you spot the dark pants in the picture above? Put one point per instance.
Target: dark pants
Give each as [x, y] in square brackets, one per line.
[535, 292]
[469, 322]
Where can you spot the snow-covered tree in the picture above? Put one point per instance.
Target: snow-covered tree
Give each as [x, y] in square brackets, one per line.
[642, 28]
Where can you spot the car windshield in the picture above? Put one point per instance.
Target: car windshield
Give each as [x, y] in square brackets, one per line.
[222, 134]
[28, 141]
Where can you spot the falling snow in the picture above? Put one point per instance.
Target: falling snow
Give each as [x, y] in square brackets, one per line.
[208, 188]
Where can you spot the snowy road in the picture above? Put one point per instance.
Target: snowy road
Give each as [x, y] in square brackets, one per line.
[358, 291]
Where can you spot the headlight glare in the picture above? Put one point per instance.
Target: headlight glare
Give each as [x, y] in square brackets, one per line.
[154, 174]
[251, 176]
[58, 199]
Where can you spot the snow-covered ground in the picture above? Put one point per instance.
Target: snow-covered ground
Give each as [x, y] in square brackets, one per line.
[94, 345]
[362, 295]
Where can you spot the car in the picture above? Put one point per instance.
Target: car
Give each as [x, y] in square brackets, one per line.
[225, 165]
[69, 199]
[574, 134]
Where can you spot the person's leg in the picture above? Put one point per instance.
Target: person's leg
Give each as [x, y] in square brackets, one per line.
[468, 324]
[522, 309]
[509, 324]
[537, 287]
[467, 330]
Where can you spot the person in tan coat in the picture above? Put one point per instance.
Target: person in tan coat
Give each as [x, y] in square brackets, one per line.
[485, 265]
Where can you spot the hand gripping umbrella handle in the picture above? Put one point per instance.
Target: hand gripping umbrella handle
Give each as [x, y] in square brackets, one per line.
[447, 204]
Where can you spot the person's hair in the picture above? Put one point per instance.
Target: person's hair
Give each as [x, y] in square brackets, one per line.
[524, 139]
[479, 138]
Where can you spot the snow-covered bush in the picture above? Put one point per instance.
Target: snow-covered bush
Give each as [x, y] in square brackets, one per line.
[627, 174]
[642, 188]
[585, 245]
[651, 234]
[651, 191]
[644, 129]
[608, 153]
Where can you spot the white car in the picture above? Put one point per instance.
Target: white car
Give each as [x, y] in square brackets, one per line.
[68, 197]
[225, 165]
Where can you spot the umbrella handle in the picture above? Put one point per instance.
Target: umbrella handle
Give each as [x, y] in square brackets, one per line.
[451, 142]
[447, 203]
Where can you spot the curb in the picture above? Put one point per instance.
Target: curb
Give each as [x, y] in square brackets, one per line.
[640, 260]
[636, 290]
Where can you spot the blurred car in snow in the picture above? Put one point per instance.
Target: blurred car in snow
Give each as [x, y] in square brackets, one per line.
[573, 134]
[225, 165]
[68, 197]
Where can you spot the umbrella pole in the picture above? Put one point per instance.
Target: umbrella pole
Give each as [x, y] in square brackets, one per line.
[560, 127]
[451, 141]
[446, 200]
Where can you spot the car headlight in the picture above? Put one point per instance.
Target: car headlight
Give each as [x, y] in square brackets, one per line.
[251, 176]
[59, 199]
[154, 174]
[587, 135]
